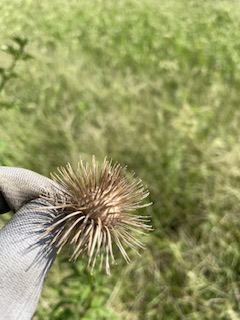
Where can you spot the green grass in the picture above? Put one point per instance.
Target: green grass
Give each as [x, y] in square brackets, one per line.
[154, 85]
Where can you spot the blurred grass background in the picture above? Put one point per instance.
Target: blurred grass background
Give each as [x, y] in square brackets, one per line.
[153, 85]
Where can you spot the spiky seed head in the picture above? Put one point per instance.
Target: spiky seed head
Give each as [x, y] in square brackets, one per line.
[94, 211]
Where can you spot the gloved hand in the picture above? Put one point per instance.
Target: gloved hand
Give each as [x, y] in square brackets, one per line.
[94, 211]
[25, 258]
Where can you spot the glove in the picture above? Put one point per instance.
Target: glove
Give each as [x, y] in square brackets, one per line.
[25, 257]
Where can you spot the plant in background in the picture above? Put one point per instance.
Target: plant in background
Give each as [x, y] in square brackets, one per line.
[17, 53]
[86, 298]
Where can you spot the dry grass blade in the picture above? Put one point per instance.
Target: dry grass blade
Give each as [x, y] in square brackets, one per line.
[93, 211]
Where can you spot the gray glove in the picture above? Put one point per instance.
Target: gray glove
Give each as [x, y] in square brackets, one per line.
[25, 259]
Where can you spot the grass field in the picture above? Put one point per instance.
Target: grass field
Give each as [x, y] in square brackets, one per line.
[155, 86]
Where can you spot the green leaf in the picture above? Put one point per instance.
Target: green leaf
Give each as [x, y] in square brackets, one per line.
[21, 41]
[8, 105]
